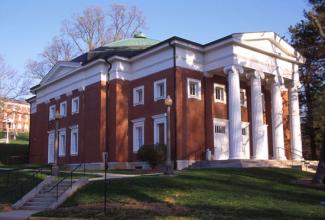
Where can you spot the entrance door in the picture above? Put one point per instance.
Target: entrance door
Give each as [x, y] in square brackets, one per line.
[221, 146]
[50, 152]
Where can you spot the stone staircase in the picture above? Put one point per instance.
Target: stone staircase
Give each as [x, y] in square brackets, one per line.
[252, 163]
[45, 198]
[49, 194]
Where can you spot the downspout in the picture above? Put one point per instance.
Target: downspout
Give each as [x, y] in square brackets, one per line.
[175, 118]
[107, 104]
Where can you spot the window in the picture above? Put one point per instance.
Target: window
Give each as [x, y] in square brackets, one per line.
[160, 89]
[52, 112]
[243, 98]
[19, 126]
[19, 117]
[220, 93]
[219, 129]
[138, 95]
[193, 88]
[63, 109]
[160, 129]
[75, 105]
[74, 141]
[243, 131]
[62, 143]
[138, 134]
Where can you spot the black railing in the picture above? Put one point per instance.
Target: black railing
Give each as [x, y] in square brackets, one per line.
[196, 155]
[65, 177]
[14, 187]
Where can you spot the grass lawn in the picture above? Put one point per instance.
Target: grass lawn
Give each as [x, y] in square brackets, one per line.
[201, 194]
[16, 151]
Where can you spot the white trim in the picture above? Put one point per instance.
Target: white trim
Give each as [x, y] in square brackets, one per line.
[159, 116]
[74, 130]
[155, 91]
[75, 111]
[136, 142]
[136, 96]
[74, 127]
[52, 113]
[62, 146]
[159, 119]
[224, 101]
[65, 109]
[245, 96]
[138, 120]
[198, 82]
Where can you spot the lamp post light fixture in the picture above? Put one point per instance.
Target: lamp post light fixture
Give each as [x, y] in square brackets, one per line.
[55, 167]
[169, 167]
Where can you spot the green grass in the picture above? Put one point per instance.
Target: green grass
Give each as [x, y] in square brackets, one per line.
[16, 152]
[201, 194]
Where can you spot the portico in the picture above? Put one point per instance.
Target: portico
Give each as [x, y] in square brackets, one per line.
[269, 65]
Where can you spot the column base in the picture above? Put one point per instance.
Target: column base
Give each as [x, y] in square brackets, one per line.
[279, 158]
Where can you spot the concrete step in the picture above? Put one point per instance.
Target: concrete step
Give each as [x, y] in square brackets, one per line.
[29, 207]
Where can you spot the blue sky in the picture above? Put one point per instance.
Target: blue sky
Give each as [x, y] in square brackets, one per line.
[27, 26]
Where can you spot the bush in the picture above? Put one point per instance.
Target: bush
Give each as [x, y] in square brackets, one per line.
[154, 154]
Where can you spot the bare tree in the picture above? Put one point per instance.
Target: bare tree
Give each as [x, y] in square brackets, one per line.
[125, 22]
[58, 49]
[88, 30]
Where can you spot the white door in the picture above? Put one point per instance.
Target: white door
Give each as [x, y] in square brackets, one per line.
[50, 152]
[245, 139]
[221, 146]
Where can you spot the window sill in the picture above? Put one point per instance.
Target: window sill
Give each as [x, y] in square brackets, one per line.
[194, 97]
[220, 101]
[159, 98]
[74, 155]
[137, 104]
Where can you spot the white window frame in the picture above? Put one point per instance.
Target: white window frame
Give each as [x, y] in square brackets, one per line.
[159, 119]
[245, 97]
[137, 123]
[52, 110]
[62, 145]
[136, 97]
[75, 111]
[74, 146]
[63, 114]
[220, 86]
[198, 95]
[156, 90]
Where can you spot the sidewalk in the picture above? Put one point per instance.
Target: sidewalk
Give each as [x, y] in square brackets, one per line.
[17, 214]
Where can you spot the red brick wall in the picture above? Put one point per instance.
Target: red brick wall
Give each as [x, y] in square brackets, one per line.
[90, 121]
[286, 124]
[190, 115]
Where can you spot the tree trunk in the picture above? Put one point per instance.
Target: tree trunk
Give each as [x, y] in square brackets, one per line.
[320, 172]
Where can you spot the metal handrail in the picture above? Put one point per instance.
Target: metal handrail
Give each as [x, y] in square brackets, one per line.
[56, 186]
[195, 153]
[13, 189]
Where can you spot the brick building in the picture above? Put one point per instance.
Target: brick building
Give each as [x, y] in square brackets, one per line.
[15, 114]
[236, 96]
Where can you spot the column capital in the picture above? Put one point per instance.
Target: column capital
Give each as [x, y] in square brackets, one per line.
[256, 74]
[233, 68]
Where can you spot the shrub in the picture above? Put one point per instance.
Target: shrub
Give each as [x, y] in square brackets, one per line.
[154, 154]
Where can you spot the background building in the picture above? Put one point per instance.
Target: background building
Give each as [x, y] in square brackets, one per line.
[15, 114]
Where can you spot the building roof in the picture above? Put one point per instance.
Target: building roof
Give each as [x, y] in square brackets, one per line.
[124, 48]
[138, 41]
[22, 102]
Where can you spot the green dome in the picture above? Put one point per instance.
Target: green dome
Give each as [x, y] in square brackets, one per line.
[139, 40]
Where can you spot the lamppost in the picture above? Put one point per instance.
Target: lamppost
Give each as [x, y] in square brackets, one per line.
[55, 167]
[169, 167]
[8, 122]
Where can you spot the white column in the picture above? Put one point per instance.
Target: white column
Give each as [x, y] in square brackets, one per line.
[260, 149]
[295, 131]
[277, 120]
[236, 150]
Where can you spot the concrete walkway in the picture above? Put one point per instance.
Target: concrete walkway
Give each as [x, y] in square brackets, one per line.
[17, 214]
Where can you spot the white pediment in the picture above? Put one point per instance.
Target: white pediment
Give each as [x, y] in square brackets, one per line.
[270, 43]
[59, 70]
